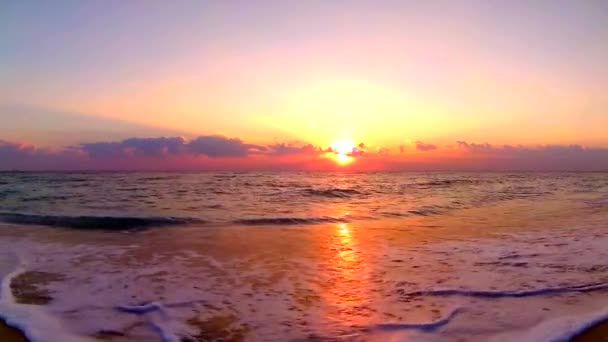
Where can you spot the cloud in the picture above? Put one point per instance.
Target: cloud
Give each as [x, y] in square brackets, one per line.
[476, 148]
[282, 149]
[16, 156]
[357, 151]
[420, 146]
[383, 151]
[213, 146]
[216, 152]
[539, 157]
[558, 151]
[219, 146]
[145, 147]
[12, 150]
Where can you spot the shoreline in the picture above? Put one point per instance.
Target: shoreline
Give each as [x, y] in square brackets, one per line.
[10, 334]
[595, 333]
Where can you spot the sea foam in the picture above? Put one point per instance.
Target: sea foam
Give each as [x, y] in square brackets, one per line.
[36, 324]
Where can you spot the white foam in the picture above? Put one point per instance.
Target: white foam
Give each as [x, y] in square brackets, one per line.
[428, 326]
[158, 323]
[508, 293]
[32, 320]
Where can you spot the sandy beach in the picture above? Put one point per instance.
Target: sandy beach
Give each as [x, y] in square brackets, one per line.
[597, 333]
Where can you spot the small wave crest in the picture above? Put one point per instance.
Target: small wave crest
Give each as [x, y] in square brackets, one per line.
[430, 326]
[159, 324]
[36, 324]
[420, 211]
[506, 293]
[290, 220]
[333, 192]
[448, 183]
[599, 203]
[94, 222]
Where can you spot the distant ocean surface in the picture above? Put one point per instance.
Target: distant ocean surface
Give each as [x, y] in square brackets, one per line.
[434, 256]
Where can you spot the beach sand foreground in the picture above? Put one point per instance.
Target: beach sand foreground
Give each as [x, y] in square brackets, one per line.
[597, 333]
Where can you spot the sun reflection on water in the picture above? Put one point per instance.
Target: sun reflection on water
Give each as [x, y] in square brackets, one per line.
[343, 230]
[347, 290]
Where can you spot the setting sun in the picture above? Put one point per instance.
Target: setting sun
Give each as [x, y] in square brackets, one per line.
[342, 151]
[343, 146]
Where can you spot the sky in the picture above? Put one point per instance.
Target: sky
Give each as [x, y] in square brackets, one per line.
[328, 85]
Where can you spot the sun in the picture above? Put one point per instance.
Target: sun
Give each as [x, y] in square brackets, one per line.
[342, 151]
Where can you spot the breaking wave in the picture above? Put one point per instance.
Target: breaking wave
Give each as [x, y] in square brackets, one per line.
[290, 220]
[95, 222]
[333, 192]
[507, 293]
[430, 326]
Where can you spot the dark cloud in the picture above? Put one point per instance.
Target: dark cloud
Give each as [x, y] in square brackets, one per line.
[219, 146]
[518, 150]
[420, 146]
[383, 151]
[540, 157]
[103, 149]
[288, 149]
[473, 147]
[12, 150]
[144, 147]
[149, 153]
[357, 151]
[15, 156]
[213, 146]
[155, 147]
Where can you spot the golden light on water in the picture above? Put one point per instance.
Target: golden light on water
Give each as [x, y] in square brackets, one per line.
[343, 230]
[346, 288]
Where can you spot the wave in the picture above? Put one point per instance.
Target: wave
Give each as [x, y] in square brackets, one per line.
[427, 210]
[35, 323]
[419, 211]
[95, 222]
[506, 293]
[430, 326]
[598, 203]
[159, 323]
[451, 182]
[290, 220]
[155, 178]
[333, 192]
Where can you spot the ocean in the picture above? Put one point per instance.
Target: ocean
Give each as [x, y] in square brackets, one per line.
[303, 256]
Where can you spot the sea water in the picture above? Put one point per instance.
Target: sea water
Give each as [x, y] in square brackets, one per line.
[303, 256]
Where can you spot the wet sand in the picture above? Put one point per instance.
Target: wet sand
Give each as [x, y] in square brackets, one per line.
[597, 333]
[10, 334]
